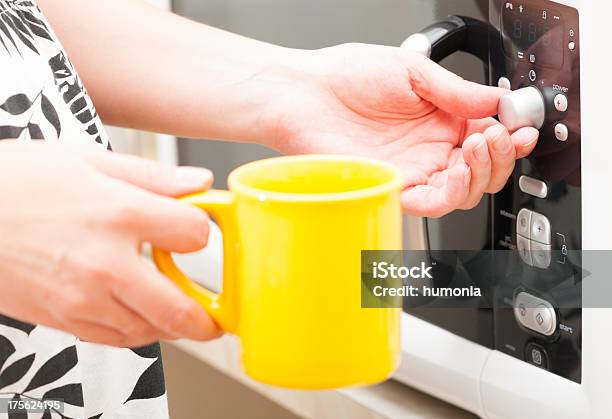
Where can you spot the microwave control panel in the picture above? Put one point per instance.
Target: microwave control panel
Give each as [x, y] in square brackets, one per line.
[534, 50]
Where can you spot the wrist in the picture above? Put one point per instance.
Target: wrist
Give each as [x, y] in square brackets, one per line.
[279, 91]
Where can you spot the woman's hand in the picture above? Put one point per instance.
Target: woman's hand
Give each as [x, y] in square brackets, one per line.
[398, 106]
[72, 224]
[371, 100]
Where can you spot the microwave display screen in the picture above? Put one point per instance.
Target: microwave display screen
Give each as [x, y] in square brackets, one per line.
[533, 34]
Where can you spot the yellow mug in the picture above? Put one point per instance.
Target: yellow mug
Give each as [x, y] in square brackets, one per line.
[293, 230]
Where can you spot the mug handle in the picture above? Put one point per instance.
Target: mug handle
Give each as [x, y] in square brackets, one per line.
[221, 307]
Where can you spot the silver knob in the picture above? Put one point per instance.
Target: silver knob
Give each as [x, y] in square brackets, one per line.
[522, 108]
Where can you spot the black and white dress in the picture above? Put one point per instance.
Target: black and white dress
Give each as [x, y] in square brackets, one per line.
[42, 98]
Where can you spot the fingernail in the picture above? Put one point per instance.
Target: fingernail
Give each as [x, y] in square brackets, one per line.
[502, 144]
[193, 177]
[467, 177]
[530, 144]
[481, 151]
[192, 324]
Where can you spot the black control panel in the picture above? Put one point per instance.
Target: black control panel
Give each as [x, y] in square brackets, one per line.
[537, 314]
[521, 246]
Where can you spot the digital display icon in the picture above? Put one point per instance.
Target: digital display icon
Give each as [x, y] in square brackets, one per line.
[532, 75]
[532, 58]
[536, 356]
[509, 6]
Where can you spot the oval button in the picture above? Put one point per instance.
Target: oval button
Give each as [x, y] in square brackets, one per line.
[561, 132]
[533, 187]
[561, 102]
[535, 313]
[504, 83]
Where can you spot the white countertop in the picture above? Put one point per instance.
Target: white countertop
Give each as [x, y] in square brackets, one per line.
[387, 400]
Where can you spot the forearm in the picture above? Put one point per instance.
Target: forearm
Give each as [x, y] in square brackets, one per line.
[149, 69]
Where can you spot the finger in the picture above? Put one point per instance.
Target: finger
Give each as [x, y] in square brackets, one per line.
[476, 155]
[436, 201]
[93, 332]
[159, 178]
[479, 125]
[525, 140]
[450, 92]
[174, 226]
[109, 312]
[164, 305]
[503, 156]
[166, 223]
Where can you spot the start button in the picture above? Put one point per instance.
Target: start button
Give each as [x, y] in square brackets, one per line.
[535, 313]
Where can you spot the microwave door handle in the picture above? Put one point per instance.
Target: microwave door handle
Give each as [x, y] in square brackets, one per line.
[453, 34]
[438, 41]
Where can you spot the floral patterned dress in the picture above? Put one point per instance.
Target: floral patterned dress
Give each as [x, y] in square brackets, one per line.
[42, 98]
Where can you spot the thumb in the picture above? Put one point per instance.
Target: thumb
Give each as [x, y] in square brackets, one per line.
[155, 177]
[450, 92]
